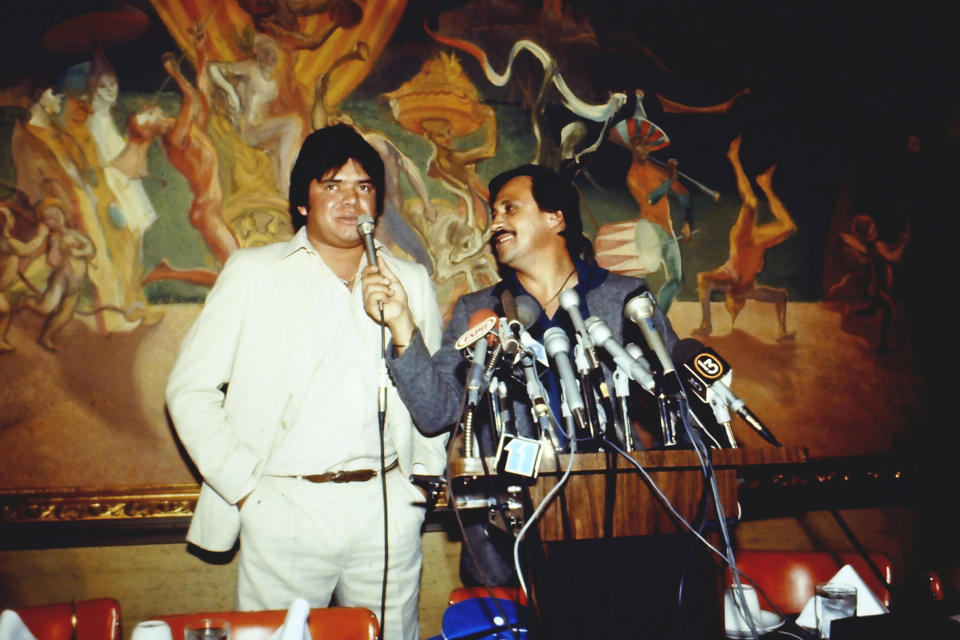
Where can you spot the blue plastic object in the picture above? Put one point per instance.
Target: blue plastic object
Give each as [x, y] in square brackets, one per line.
[485, 619]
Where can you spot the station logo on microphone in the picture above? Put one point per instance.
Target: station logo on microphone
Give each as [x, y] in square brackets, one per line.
[709, 366]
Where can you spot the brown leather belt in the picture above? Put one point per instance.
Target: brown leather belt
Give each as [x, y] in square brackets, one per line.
[353, 475]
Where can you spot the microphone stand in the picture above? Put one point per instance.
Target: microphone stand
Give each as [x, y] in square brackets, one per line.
[474, 384]
[365, 227]
[541, 408]
[669, 413]
[621, 390]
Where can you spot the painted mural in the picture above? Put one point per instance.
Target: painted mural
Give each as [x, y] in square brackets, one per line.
[722, 154]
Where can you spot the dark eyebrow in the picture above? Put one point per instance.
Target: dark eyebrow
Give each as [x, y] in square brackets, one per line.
[367, 181]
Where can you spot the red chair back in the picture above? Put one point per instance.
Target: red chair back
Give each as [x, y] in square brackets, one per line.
[507, 593]
[789, 577]
[96, 619]
[330, 623]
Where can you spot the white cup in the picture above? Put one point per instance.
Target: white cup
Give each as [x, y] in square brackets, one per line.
[734, 619]
[832, 602]
[152, 630]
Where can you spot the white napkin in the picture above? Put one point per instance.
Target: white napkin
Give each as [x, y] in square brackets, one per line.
[295, 625]
[868, 604]
[12, 627]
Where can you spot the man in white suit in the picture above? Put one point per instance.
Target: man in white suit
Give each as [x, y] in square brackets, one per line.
[275, 397]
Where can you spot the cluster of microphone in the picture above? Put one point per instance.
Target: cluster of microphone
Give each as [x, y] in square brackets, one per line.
[594, 402]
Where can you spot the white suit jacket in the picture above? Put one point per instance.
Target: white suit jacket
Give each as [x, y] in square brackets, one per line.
[251, 334]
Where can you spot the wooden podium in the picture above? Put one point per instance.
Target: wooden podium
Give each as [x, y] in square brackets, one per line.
[607, 497]
[608, 573]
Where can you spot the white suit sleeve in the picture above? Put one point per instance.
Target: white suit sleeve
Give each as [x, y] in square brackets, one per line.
[194, 398]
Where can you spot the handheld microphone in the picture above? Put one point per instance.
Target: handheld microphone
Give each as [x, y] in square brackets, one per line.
[557, 344]
[639, 310]
[365, 229]
[569, 300]
[521, 312]
[602, 335]
[706, 371]
[528, 310]
[636, 353]
[477, 335]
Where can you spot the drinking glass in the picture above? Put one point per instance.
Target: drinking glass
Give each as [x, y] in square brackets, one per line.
[832, 602]
[207, 629]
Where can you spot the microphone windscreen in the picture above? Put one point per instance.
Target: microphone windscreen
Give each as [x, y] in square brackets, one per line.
[509, 305]
[489, 316]
[482, 323]
[686, 349]
[527, 310]
[365, 223]
[479, 316]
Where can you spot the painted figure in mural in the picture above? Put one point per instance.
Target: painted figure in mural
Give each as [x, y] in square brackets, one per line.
[393, 227]
[278, 19]
[250, 87]
[874, 259]
[69, 253]
[649, 243]
[48, 162]
[441, 104]
[115, 272]
[285, 327]
[393, 224]
[749, 242]
[12, 250]
[456, 168]
[135, 208]
[191, 152]
[655, 188]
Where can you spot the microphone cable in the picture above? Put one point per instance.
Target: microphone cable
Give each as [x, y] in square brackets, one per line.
[452, 501]
[381, 428]
[513, 630]
[365, 227]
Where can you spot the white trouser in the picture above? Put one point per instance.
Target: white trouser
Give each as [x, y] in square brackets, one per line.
[301, 539]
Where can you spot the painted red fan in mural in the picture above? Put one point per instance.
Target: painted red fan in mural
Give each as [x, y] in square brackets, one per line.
[655, 137]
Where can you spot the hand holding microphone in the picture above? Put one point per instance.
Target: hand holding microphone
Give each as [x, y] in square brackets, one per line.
[365, 228]
[384, 298]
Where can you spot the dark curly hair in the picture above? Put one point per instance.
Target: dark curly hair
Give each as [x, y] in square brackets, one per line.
[326, 149]
[552, 192]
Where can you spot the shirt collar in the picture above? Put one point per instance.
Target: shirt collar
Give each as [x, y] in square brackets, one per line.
[589, 277]
[300, 242]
